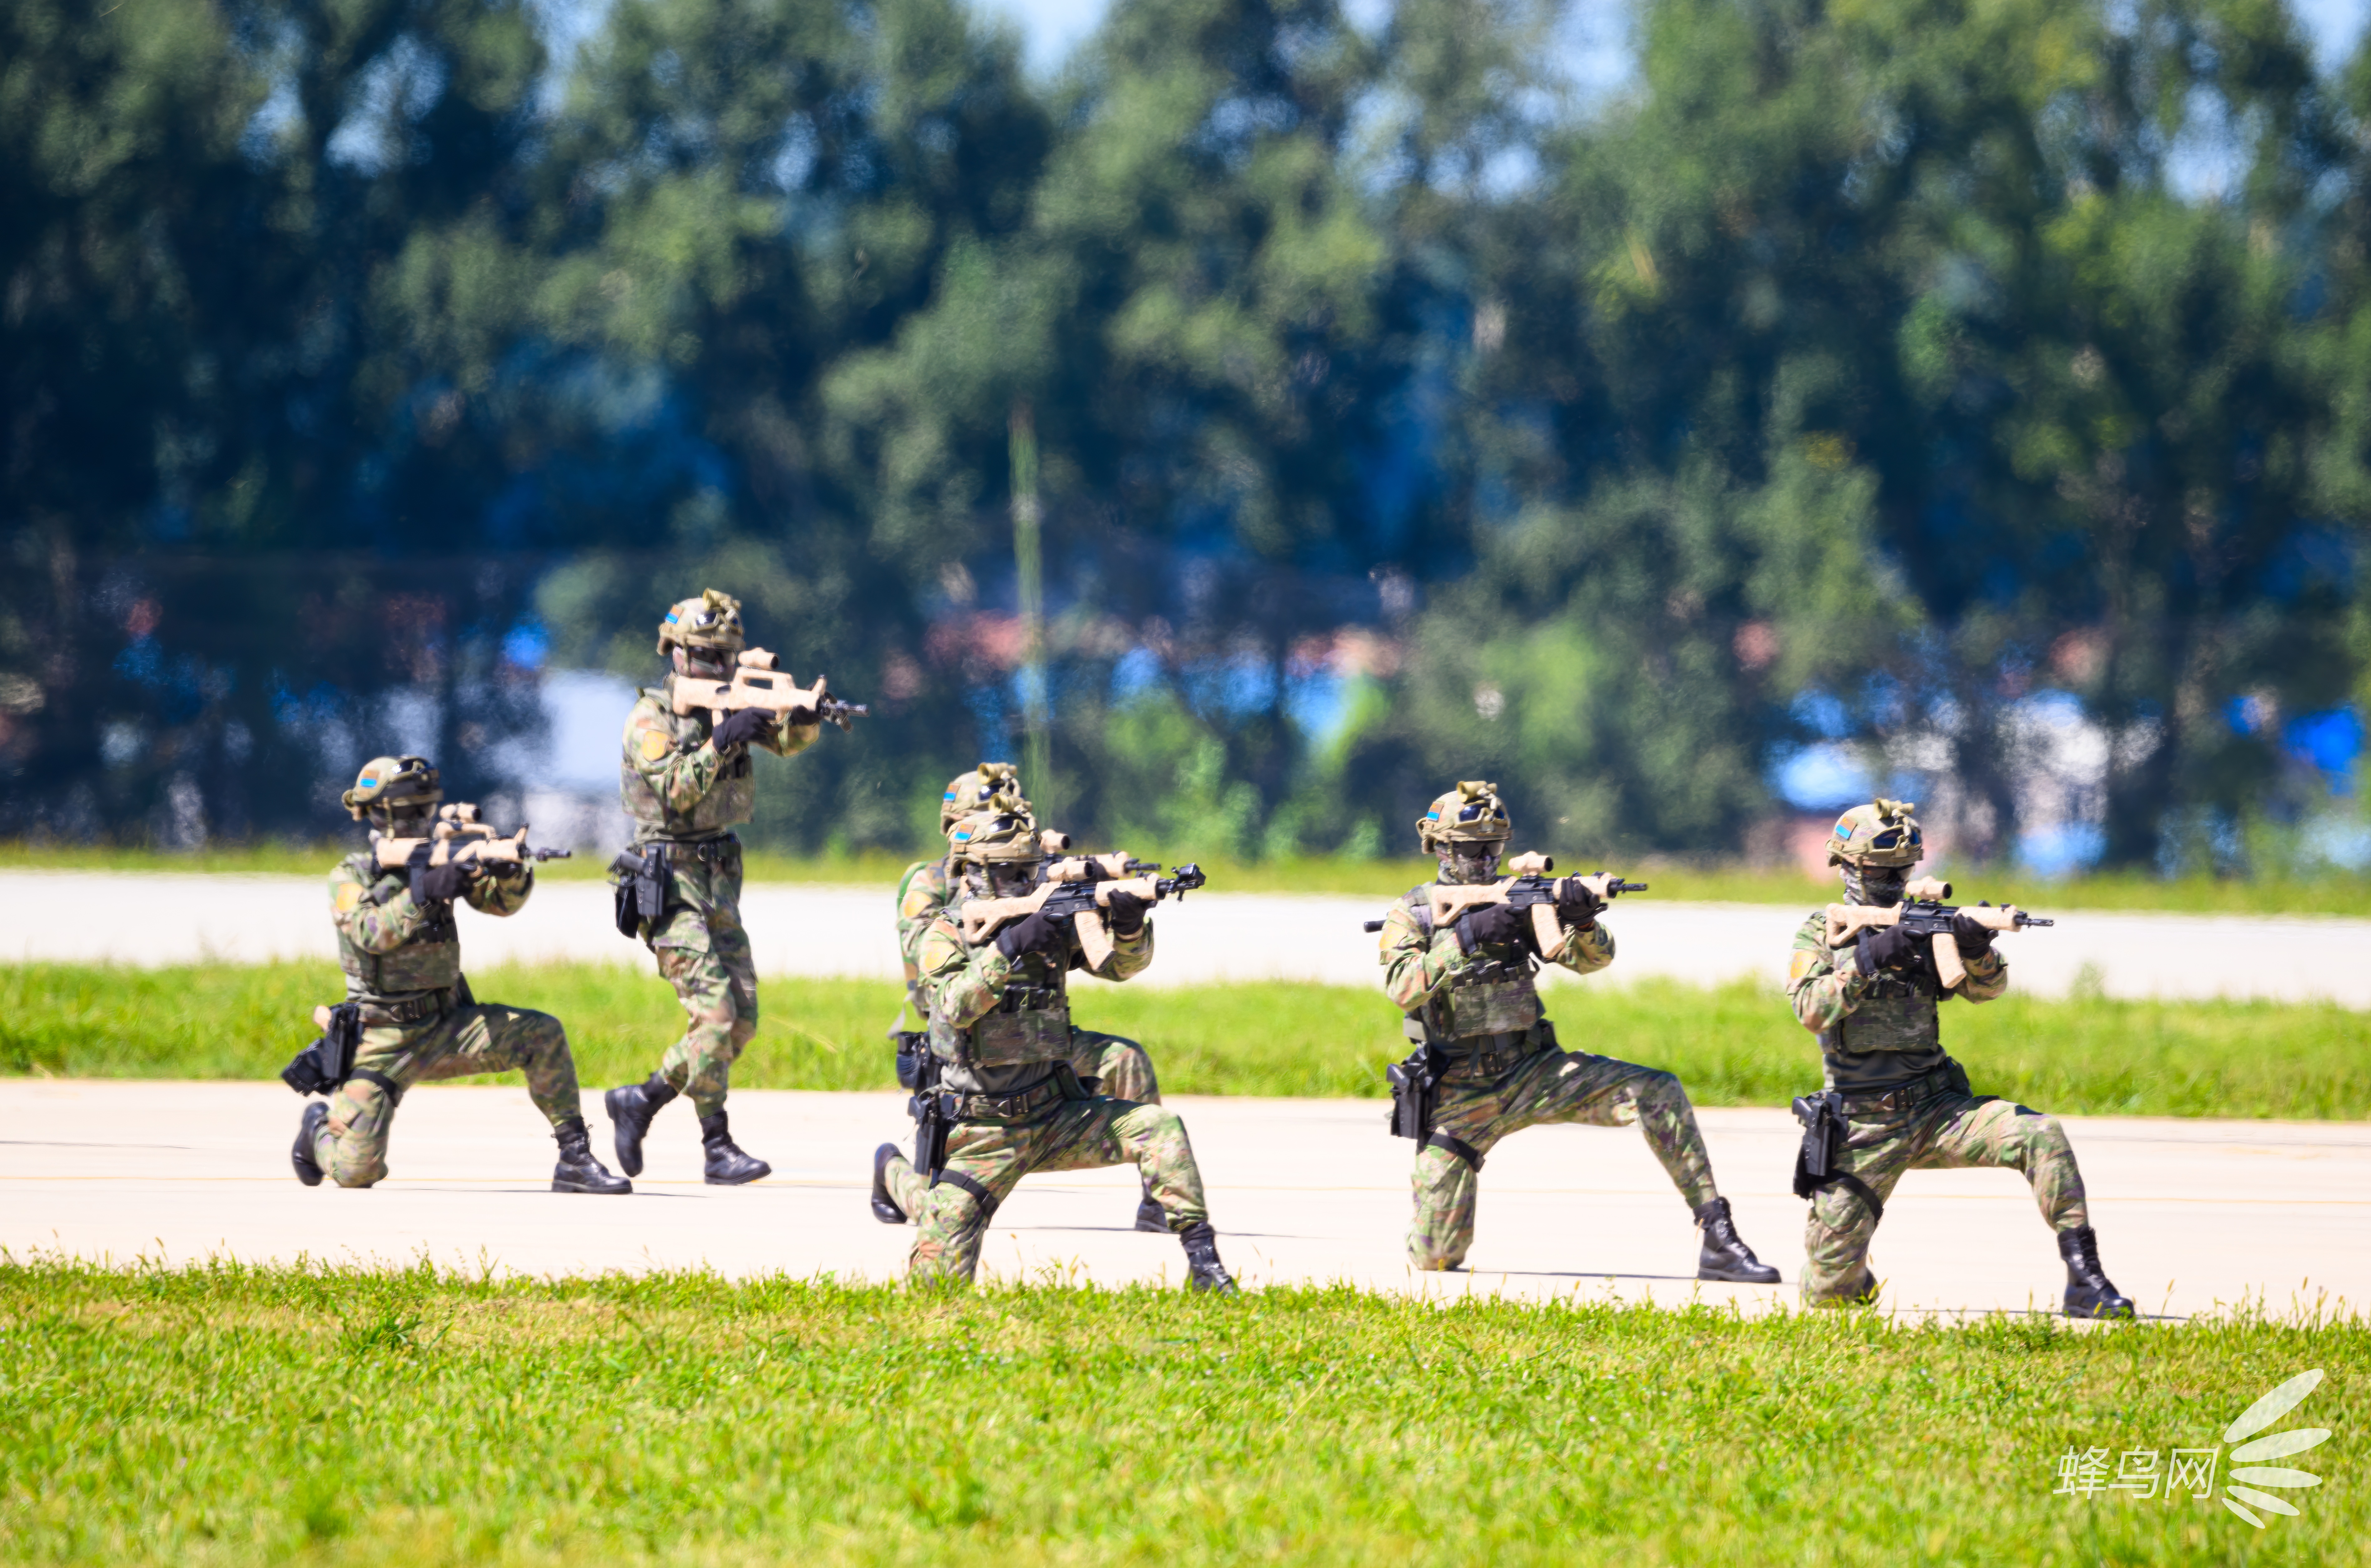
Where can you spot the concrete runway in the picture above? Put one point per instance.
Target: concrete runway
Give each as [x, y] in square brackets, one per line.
[155, 918]
[2193, 1216]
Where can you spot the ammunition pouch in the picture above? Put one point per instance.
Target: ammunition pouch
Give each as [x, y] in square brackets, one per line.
[1030, 1024]
[1490, 998]
[1824, 1131]
[322, 1067]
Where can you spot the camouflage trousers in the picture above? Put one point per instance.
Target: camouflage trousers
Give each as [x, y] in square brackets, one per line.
[352, 1145]
[1113, 1067]
[1949, 1132]
[986, 1158]
[703, 951]
[1553, 1086]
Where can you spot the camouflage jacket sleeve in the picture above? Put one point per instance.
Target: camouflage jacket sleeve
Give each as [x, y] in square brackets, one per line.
[1825, 985]
[680, 779]
[1128, 958]
[962, 983]
[372, 928]
[1584, 951]
[503, 890]
[1416, 966]
[787, 739]
[921, 893]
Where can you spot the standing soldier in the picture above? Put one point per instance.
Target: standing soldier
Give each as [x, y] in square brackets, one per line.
[1474, 1010]
[1906, 1104]
[402, 953]
[1109, 1064]
[1000, 1028]
[686, 786]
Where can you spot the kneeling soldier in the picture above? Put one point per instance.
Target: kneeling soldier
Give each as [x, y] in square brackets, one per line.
[1905, 1104]
[1000, 1027]
[1473, 1009]
[402, 953]
[1108, 1065]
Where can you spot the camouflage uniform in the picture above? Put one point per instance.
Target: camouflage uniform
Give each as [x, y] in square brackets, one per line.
[1108, 1064]
[402, 960]
[999, 1027]
[681, 793]
[1505, 1073]
[1907, 1104]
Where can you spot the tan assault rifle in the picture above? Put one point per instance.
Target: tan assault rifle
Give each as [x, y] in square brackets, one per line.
[1529, 887]
[758, 682]
[1081, 900]
[1921, 909]
[457, 836]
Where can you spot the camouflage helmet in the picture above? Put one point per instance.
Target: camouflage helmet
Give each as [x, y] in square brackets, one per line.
[392, 782]
[998, 838]
[987, 786]
[1471, 813]
[713, 621]
[1882, 833]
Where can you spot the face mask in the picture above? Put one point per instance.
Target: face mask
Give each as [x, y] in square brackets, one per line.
[1467, 866]
[1879, 887]
[1006, 880]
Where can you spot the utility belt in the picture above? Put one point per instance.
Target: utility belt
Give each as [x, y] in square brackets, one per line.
[417, 1008]
[638, 876]
[936, 1114]
[1826, 1118]
[327, 1064]
[1474, 1058]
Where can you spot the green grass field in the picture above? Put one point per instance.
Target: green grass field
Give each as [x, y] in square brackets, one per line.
[2336, 894]
[1736, 1045]
[231, 1415]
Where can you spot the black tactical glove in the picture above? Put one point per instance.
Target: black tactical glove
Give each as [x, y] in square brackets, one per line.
[442, 885]
[1126, 911]
[1029, 934]
[740, 726]
[1575, 905]
[1488, 924]
[798, 718]
[1973, 938]
[1883, 948]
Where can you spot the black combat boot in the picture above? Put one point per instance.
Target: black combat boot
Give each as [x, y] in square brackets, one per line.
[308, 1169]
[1725, 1257]
[2088, 1294]
[1203, 1270]
[630, 1110]
[578, 1171]
[727, 1166]
[1149, 1215]
[884, 1207]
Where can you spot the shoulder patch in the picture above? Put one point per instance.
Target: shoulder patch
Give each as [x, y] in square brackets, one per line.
[654, 746]
[349, 895]
[1805, 959]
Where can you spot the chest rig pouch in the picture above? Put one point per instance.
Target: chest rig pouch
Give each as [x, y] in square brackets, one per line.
[1897, 1013]
[430, 961]
[1493, 998]
[1032, 1024]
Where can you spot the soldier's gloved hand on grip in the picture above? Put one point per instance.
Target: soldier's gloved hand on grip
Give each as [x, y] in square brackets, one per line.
[740, 726]
[799, 718]
[1029, 934]
[1972, 938]
[1889, 945]
[1126, 911]
[1487, 924]
[441, 883]
[1577, 905]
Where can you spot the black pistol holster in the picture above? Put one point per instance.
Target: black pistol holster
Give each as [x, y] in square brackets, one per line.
[322, 1067]
[639, 880]
[1825, 1132]
[1415, 1086]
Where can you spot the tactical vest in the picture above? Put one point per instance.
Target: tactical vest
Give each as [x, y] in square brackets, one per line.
[1891, 1037]
[1031, 1023]
[1484, 999]
[430, 961]
[730, 802]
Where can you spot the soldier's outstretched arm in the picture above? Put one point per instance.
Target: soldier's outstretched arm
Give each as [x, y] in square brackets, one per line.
[787, 739]
[1129, 956]
[501, 889]
[1822, 995]
[1416, 965]
[680, 779]
[373, 928]
[1583, 950]
[963, 984]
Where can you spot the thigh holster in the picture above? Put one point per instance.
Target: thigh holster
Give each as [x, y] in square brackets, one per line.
[1824, 1131]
